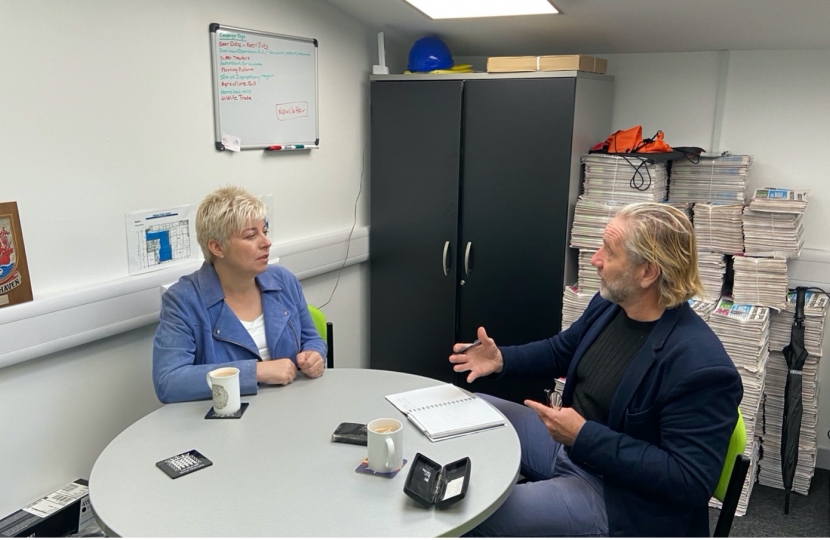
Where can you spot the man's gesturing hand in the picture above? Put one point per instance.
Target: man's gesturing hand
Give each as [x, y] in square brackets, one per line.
[480, 360]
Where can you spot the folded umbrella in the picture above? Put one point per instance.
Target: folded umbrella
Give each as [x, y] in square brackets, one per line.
[795, 354]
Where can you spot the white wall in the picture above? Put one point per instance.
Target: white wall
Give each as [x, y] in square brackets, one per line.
[106, 109]
[775, 107]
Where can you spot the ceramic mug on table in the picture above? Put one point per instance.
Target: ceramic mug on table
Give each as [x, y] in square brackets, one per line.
[224, 383]
[385, 442]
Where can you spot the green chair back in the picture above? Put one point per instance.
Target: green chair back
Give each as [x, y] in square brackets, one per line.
[319, 320]
[737, 445]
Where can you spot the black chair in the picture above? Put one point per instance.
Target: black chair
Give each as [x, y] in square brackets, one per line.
[320, 323]
[733, 493]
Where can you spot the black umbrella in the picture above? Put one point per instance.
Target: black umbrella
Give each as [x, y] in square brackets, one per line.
[795, 354]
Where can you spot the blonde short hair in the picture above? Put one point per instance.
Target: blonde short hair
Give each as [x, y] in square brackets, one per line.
[225, 212]
[663, 235]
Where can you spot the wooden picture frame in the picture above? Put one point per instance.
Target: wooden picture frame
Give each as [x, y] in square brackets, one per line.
[15, 286]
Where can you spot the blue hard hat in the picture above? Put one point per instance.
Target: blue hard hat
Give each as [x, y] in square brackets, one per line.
[429, 53]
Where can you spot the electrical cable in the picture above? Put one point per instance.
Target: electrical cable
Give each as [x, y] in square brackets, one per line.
[349, 239]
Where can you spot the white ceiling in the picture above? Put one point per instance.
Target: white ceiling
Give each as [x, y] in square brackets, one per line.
[614, 26]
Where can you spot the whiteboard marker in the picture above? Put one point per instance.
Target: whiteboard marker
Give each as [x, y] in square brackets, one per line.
[278, 147]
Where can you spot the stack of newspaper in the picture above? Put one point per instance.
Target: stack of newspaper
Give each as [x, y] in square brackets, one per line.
[702, 307]
[762, 282]
[773, 234]
[588, 278]
[712, 179]
[574, 302]
[625, 179]
[719, 228]
[711, 267]
[779, 200]
[770, 473]
[744, 331]
[815, 311]
[590, 219]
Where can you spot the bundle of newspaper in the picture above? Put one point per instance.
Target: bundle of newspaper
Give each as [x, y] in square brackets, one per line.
[768, 234]
[770, 470]
[719, 228]
[702, 307]
[624, 179]
[815, 312]
[711, 267]
[752, 453]
[590, 219]
[711, 179]
[761, 282]
[744, 331]
[588, 278]
[782, 200]
[574, 302]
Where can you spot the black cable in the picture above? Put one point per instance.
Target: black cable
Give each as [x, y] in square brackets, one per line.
[641, 185]
[349, 240]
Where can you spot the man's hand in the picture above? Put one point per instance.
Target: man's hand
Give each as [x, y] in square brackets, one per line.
[280, 371]
[311, 363]
[563, 424]
[480, 360]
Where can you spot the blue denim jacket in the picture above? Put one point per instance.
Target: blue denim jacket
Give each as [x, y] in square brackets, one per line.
[198, 333]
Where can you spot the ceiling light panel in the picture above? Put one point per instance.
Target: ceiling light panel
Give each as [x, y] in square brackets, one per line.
[462, 9]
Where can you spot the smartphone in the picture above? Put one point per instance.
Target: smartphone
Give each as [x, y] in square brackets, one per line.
[350, 433]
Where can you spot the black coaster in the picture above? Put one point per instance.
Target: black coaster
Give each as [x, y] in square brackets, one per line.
[211, 415]
[183, 464]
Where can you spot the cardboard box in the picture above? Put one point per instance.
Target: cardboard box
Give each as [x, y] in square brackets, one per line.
[572, 62]
[61, 513]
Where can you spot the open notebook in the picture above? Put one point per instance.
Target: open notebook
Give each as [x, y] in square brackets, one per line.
[444, 411]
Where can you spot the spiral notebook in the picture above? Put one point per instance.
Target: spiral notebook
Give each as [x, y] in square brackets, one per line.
[442, 412]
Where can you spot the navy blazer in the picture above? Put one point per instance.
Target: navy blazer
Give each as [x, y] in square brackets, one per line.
[661, 452]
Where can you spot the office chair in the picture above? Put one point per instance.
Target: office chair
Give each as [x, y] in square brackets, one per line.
[732, 477]
[326, 331]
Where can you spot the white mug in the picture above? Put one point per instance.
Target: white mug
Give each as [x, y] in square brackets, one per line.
[385, 442]
[224, 383]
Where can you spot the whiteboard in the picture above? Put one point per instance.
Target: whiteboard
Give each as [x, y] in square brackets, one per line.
[264, 88]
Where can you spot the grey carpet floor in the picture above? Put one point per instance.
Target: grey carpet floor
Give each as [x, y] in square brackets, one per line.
[809, 516]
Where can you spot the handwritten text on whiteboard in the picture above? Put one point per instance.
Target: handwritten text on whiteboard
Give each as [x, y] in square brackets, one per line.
[290, 111]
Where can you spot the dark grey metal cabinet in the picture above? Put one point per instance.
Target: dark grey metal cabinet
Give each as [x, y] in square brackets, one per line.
[472, 186]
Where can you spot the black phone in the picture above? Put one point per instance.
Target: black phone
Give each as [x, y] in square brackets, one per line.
[350, 433]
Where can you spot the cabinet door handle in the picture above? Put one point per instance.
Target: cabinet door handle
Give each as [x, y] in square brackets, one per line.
[444, 257]
[467, 259]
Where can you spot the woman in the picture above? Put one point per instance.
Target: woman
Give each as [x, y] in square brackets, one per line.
[236, 310]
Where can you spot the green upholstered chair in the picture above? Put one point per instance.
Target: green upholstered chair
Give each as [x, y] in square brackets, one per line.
[326, 331]
[732, 477]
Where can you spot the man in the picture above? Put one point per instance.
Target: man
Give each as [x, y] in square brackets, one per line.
[649, 405]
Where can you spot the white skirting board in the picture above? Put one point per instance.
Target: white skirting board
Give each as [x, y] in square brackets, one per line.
[48, 325]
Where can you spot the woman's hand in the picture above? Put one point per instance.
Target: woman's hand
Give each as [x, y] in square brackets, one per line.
[311, 363]
[281, 371]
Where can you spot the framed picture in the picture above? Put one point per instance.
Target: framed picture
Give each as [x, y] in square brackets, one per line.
[15, 286]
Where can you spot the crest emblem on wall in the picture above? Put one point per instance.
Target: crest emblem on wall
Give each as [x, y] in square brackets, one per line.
[15, 286]
[9, 276]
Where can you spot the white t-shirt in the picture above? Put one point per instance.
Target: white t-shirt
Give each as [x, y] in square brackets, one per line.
[257, 330]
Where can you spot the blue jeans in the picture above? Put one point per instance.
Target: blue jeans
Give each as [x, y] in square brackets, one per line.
[559, 498]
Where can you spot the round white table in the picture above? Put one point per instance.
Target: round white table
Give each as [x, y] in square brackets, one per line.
[276, 472]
